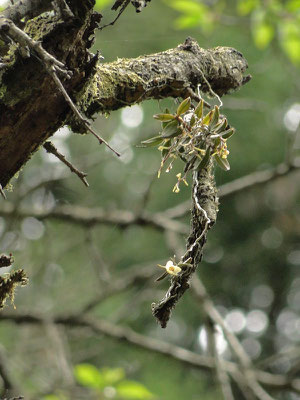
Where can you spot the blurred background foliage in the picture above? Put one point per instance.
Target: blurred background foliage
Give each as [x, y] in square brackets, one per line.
[252, 257]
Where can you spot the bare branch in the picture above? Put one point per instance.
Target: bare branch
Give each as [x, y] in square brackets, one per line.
[50, 148]
[258, 178]
[274, 381]
[166, 74]
[90, 217]
[114, 7]
[246, 182]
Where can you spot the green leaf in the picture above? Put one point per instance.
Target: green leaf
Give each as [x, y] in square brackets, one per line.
[227, 134]
[205, 160]
[164, 117]
[133, 390]
[199, 109]
[154, 141]
[221, 126]
[88, 375]
[192, 121]
[206, 120]
[184, 106]
[112, 375]
[215, 117]
[222, 162]
[171, 130]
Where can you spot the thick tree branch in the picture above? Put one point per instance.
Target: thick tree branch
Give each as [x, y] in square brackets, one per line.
[25, 116]
[167, 74]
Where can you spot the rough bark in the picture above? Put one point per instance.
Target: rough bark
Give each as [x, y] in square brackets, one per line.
[32, 107]
[205, 193]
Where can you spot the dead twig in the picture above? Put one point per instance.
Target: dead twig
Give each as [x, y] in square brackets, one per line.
[115, 7]
[50, 148]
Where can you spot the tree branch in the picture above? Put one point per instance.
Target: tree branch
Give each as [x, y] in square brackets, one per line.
[273, 381]
[255, 179]
[89, 217]
[25, 116]
[167, 74]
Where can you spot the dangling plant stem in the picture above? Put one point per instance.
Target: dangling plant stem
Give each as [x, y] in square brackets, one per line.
[204, 214]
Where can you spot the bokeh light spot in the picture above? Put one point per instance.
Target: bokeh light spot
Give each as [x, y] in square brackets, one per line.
[133, 116]
[257, 321]
[32, 228]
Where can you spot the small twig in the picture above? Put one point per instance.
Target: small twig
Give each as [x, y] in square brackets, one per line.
[124, 5]
[85, 122]
[2, 192]
[52, 65]
[50, 148]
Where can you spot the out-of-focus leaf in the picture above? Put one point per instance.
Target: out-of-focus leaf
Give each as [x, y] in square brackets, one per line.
[112, 375]
[133, 390]
[164, 117]
[88, 375]
[290, 40]
[154, 141]
[292, 6]
[263, 32]
[171, 130]
[187, 21]
[186, 6]
[55, 397]
[245, 7]
[100, 4]
[222, 162]
[184, 106]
